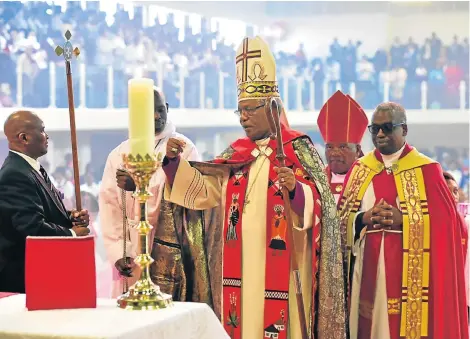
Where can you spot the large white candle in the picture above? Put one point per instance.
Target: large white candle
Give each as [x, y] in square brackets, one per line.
[141, 117]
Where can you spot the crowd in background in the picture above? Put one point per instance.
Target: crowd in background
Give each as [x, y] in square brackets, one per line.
[30, 31]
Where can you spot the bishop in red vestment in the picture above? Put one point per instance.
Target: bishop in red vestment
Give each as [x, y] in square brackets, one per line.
[248, 250]
[408, 279]
[342, 123]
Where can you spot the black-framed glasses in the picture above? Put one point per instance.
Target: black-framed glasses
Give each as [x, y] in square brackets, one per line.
[387, 128]
[248, 110]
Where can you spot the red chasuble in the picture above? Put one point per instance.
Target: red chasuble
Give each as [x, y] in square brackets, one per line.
[424, 265]
[277, 247]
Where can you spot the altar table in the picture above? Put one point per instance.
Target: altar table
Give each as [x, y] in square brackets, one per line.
[182, 321]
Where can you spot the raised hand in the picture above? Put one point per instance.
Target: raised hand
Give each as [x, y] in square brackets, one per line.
[174, 147]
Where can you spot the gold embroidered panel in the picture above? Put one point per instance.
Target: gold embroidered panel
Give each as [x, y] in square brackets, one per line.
[350, 203]
[393, 305]
[416, 255]
[331, 317]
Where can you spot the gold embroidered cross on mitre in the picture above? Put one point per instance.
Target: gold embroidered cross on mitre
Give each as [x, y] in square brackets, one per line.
[256, 70]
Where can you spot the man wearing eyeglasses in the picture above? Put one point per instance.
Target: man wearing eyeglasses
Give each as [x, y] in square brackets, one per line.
[342, 123]
[118, 206]
[247, 249]
[408, 276]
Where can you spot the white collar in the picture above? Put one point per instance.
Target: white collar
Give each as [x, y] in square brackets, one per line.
[335, 178]
[390, 159]
[32, 162]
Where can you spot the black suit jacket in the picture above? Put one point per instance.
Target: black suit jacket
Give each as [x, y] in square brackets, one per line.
[28, 207]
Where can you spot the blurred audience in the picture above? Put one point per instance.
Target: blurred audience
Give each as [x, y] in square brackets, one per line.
[30, 31]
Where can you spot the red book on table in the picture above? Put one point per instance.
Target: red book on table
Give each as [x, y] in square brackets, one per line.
[60, 273]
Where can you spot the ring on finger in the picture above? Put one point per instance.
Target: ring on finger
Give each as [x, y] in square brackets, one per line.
[174, 150]
[283, 180]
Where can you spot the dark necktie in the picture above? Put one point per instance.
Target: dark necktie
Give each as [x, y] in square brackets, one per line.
[49, 183]
[46, 178]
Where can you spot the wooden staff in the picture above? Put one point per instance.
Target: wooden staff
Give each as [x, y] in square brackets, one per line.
[275, 126]
[68, 51]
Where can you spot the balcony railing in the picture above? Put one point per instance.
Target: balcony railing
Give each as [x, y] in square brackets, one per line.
[106, 87]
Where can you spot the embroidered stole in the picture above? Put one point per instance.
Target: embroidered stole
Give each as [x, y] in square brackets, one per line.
[277, 279]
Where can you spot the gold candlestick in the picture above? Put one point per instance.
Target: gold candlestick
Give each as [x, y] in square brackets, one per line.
[144, 294]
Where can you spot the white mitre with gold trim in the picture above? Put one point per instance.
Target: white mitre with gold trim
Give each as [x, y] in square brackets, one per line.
[256, 70]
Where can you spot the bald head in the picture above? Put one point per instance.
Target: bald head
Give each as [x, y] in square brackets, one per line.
[18, 122]
[25, 133]
[160, 110]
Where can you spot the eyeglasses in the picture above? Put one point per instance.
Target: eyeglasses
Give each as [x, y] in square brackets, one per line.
[248, 110]
[387, 128]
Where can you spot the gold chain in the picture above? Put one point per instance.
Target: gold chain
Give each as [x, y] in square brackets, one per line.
[124, 234]
[253, 184]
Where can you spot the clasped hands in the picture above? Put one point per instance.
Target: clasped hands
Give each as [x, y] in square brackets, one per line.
[383, 216]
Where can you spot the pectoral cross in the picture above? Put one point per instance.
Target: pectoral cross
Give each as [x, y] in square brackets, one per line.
[391, 169]
[244, 56]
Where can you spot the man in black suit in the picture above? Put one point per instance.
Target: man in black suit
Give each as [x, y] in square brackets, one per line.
[30, 205]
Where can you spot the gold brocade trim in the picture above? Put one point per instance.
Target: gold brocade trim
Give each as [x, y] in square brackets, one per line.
[257, 90]
[349, 204]
[226, 154]
[416, 256]
[331, 317]
[412, 160]
[393, 305]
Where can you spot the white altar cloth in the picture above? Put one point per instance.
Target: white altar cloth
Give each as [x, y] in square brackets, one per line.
[182, 321]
